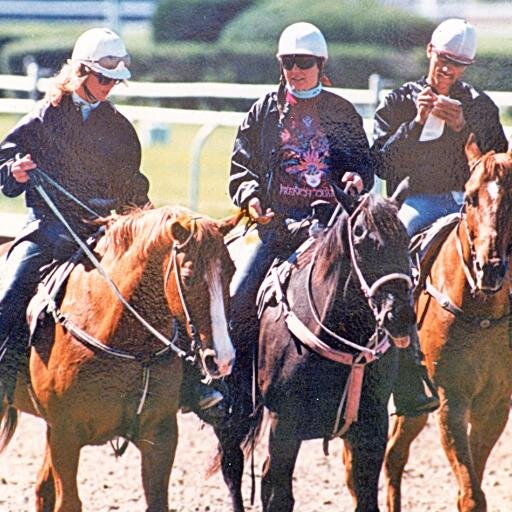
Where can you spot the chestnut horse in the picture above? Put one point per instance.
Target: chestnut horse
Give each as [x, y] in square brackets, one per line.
[464, 327]
[112, 367]
[326, 358]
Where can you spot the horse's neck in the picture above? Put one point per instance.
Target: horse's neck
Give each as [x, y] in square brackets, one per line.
[100, 311]
[335, 289]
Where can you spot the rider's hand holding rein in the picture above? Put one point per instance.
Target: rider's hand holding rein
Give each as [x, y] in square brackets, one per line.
[256, 213]
[352, 182]
[21, 168]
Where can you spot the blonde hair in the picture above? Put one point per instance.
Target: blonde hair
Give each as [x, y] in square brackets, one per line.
[69, 79]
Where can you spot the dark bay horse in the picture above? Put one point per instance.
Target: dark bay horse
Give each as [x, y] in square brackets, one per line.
[108, 370]
[463, 319]
[327, 358]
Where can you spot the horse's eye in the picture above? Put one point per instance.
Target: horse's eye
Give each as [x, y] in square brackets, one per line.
[471, 200]
[187, 273]
[358, 231]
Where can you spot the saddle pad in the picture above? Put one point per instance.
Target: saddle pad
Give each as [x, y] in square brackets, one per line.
[425, 245]
[267, 293]
[50, 291]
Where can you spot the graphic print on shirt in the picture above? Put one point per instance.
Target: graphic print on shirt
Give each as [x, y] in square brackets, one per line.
[304, 164]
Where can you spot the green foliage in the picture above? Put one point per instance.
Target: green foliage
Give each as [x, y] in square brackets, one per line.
[49, 52]
[349, 21]
[491, 71]
[194, 20]
[349, 65]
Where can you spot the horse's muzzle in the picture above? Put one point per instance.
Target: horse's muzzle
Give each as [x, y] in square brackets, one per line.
[213, 367]
[398, 322]
[491, 276]
[401, 341]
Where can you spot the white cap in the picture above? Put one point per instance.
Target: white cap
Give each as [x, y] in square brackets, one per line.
[102, 44]
[302, 39]
[456, 40]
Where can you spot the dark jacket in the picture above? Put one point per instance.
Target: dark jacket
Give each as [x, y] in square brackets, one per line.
[256, 149]
[439, 165]
[96, 159]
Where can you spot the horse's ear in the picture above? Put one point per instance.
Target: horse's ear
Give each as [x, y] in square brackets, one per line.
[347, 201]
[401, 192]
[473, 152]
[179, 232]
[227, 224]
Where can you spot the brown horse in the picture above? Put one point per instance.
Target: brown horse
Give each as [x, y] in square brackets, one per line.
[463, 320]
[112, 368]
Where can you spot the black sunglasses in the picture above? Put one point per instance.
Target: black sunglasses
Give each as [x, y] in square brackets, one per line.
[301, 61]
[105, 80]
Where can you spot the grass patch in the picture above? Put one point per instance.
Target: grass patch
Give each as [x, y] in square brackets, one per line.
[167, 167]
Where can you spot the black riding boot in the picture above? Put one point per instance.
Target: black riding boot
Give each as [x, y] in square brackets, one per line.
[203, 399]
[409, 391]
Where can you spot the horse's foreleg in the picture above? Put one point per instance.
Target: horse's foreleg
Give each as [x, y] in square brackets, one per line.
[232, 465]
[276, 482]
[453, 424]
[363, 454]
[63, 452]
[157, 448]
[486, 428]
[45, 487]
[403, 432]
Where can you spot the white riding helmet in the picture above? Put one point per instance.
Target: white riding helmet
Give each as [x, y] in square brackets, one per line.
[456, 40]
[302, 39]
[103, 51]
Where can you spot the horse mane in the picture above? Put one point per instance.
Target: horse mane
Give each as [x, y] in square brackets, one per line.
[152, 226]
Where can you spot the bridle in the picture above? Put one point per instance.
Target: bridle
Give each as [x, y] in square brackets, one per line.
[472, 255]
[177, 247]
[368, 291]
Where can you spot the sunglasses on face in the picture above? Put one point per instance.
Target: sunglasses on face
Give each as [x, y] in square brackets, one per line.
[105, 80]
[445, 59]
[111, 62]
[301, 61]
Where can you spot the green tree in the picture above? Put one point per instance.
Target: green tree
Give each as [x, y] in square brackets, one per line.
[194, 20]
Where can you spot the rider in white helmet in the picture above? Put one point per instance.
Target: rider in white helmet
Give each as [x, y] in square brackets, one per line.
[291, 146]
[82, 142]
[420, 131]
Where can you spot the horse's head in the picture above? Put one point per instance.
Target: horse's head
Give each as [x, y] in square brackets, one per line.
[198, 274]
[488, 219]
[379, 256]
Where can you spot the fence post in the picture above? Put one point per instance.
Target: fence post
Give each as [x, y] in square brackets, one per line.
[375, 85]
[195, 162]
[32, 71]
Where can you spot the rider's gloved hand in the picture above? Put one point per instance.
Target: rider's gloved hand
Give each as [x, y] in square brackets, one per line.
[256, 212]
[21, 168]
[352, 182]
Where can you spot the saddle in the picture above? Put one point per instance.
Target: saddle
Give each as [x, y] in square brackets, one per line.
[50, 291]
[424, 247]
[277, 277]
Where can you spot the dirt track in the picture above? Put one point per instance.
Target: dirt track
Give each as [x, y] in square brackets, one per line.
[107, 484]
